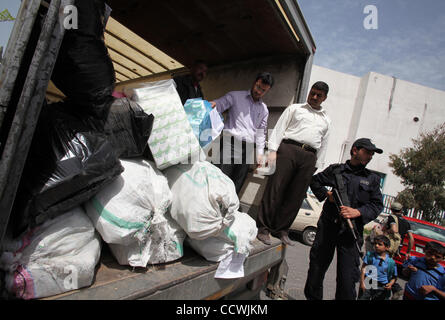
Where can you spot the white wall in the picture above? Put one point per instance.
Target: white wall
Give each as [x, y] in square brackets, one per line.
[381, 108]
[339, 106]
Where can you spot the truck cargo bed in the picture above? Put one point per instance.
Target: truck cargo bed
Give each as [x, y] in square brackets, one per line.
[191, 277]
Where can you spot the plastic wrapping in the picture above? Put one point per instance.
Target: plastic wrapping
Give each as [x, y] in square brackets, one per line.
[83, 70]
[206, 122]
[67, 164]
[128, 128]
[172, 140]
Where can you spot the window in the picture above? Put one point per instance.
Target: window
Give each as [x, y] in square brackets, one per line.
[305, 205]
[427, 231]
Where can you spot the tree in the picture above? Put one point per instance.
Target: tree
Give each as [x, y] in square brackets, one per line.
[422, 170]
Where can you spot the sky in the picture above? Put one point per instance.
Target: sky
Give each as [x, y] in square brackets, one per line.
[408, 42]
[6, 26]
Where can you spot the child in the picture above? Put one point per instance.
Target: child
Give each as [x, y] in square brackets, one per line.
[380, 271]
[426, 275]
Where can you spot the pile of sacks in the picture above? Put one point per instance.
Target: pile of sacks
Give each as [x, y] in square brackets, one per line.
[101, 168]
[144, 214]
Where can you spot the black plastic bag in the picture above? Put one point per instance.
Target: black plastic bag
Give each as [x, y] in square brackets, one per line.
[69, 162]
[128, 128]
[83, 70]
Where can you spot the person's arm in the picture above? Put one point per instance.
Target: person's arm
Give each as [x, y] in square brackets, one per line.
[223, 103]
[278, 132]
[410, 241]
[424, 290]
[321, 153]
[322, 180]
[389, 285]
[362, 277]
[370, 210]
[393, 228]
[260, 137]
[408, 270]
[277, 135]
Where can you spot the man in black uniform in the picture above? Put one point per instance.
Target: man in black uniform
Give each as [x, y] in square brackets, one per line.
[363, 191]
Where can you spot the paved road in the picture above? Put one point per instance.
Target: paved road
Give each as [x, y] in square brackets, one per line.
[298, 261]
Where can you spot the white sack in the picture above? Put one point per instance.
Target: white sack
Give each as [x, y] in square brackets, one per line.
[123, 211]
[164, 243]
[204, 198]
[238, 238]
[57, 256]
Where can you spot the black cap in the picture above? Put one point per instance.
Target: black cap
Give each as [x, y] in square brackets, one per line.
[367, 144]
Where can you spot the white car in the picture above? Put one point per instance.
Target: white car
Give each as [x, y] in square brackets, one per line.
[307, 218]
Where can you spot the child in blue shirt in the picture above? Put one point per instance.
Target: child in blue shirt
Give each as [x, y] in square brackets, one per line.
[426, 275]
[379, 272]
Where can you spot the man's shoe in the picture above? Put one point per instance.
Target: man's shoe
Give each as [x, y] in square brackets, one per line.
[285, 239]
[264, 238]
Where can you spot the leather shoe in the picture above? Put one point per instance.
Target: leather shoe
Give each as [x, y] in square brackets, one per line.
[264, 238]
[285, 239]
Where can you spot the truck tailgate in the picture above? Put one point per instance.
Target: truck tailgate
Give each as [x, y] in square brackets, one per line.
[189, 277]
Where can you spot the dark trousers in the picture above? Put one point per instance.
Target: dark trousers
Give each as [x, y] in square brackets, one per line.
[286, 189]
[330, 237]
[236, 172]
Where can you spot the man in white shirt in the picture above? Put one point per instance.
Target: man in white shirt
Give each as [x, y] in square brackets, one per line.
[297, 146]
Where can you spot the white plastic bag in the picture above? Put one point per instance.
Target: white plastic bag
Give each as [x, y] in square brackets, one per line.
[172, 140]
[57, 256]
[122, 212]
[204, 198]
[238, 238]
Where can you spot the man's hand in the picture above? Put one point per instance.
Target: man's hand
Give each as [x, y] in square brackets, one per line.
[424, 290]
[259, 160]
[272, 159]
[349, 213]
[412, 268]
[212, 104]
[330, 196]
[388, 286]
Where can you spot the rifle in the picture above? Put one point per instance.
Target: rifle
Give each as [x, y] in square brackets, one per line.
[339, 203]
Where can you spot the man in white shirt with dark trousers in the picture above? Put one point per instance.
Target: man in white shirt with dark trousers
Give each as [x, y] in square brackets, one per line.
[297, 147]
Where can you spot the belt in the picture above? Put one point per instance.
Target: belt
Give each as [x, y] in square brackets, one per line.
[303, 146]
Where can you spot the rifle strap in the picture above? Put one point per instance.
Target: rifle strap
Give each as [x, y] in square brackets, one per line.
[341, 186]
[343, 192]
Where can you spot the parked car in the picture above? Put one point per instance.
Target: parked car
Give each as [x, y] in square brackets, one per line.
[423, 232]
[307, 218]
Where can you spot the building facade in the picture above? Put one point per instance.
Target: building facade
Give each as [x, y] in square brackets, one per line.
[388, 110]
